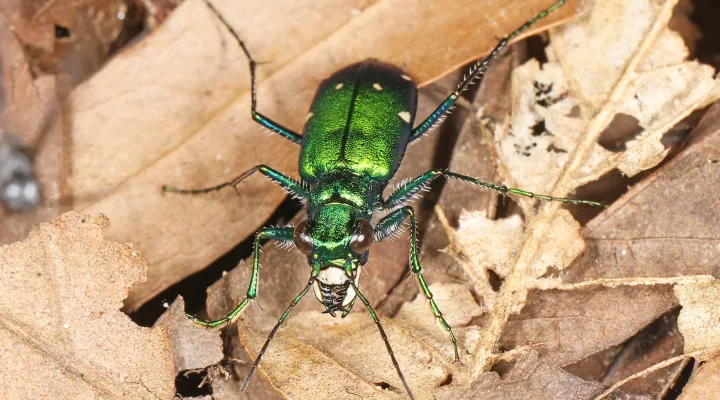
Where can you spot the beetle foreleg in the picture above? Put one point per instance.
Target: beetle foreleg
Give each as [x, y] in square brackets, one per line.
[294, 187]
[284, 234]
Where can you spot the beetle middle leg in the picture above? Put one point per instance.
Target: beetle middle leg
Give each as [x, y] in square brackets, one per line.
[256, 116]
[283, 234]
[289, 184]
[407, 191]
[384, 228]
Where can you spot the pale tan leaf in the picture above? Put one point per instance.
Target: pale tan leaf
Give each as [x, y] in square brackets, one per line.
[61, 330]
[698, 320]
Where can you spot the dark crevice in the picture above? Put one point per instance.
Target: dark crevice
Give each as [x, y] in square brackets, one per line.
[193, 288]
[675, 392]
[190, 384]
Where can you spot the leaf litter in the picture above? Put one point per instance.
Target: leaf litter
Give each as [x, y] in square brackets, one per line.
[574, 112]
[346, 356]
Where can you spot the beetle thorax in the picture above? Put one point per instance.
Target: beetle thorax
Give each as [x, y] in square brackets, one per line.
[334, 290]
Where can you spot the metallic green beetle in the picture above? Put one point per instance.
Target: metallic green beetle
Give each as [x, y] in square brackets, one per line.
[356, 133]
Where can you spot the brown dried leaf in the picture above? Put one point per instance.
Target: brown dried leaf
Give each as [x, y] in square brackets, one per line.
[192, 348]
[531, 378]
[705, 384]
[177, 105]
[61, 330]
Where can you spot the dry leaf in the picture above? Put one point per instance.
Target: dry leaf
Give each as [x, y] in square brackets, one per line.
[192, 348]
[705, 384]
[698, 320]
[62, 332]
[596, 70]
[531, 378]
[196, 132]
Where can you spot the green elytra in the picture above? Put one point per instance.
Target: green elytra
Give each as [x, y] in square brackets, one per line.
[355, 136]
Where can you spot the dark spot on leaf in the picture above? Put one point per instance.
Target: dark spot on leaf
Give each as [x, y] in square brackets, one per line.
[61, 32]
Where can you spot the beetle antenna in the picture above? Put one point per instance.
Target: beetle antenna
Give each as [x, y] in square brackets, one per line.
[274, 331]
[384, 337]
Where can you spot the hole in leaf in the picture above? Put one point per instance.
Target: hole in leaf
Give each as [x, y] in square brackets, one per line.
[384, 385]
[539, 128]
[495, 280]
[503, 368]
[622, 129]
[552, 149]
[61, 32]
[187, 384]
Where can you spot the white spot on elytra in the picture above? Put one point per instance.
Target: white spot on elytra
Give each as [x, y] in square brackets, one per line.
[165, 304]
[377, 86]
[338, 86]
[406, 77]
[310, 114]
[405, 116]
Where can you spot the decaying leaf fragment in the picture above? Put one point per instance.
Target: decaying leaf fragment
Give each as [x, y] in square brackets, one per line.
[617, 57]
[62, 334]
[698, 320]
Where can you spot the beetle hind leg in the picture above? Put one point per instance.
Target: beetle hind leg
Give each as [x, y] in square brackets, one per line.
[256, 116]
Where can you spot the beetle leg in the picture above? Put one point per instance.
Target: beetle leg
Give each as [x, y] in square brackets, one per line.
[384, 228]
[296, 188]
[476, 75]
[256, 116]
[412, 188]
[284, 234]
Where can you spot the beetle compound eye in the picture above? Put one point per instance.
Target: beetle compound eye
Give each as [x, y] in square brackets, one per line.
[362, 238]
[302, 239]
